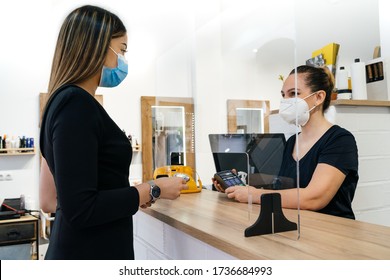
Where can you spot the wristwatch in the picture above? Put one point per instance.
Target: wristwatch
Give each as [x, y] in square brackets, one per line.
[154, 191]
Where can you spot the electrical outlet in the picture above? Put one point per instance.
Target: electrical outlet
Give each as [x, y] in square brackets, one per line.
[8, 176]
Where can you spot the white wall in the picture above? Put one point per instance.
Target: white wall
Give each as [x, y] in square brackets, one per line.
[371, 128]
[352, 24]
[195, 48]
[25, 54]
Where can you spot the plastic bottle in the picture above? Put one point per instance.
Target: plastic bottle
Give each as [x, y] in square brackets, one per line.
[342, 78]
[359, 84]
[8, 143]
[2, 145]
[5, 141]
[14, 143]
[22, 202]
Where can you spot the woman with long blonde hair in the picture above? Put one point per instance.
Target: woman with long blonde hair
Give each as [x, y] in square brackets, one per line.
[86, 156]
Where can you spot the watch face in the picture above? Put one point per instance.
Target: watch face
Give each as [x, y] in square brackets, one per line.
[156, 192]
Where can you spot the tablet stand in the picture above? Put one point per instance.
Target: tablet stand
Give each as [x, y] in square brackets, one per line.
[271, 218]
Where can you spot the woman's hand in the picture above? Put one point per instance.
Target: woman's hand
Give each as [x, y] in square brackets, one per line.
[170, 187]
[217, 185]
[241, 194]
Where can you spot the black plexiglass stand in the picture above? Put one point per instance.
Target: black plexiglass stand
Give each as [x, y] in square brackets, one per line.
[271, 218]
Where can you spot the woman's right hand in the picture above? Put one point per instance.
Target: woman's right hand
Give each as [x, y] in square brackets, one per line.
[216, 185]
[170, 187]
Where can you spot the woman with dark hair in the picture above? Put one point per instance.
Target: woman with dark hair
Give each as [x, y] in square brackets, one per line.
[86, 157]
[327, 153]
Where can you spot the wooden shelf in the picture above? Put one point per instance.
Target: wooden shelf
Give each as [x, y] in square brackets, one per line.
[17, 151]
[350, 102]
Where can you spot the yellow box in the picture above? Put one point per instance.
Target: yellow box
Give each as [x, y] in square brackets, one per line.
[329, 53]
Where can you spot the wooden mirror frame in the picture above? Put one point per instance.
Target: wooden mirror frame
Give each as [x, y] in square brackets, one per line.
[233, 104]
[146, 121]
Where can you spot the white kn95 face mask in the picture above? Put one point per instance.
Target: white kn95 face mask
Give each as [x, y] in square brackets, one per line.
[296, 107]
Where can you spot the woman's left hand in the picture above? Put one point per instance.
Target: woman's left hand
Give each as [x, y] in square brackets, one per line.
[240, 193]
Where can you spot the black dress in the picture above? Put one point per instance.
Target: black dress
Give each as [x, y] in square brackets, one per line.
[89, 157]
[337, 147]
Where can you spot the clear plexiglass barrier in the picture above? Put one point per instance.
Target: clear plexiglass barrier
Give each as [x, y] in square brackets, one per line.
[218, 88]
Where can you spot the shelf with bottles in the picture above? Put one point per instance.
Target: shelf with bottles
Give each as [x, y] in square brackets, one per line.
[17, 151]
[15, 146]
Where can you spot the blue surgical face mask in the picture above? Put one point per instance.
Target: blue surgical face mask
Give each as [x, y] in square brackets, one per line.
[111, 77]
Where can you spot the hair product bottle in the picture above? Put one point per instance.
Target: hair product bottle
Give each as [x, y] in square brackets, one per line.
[359, 84]
[342, 78]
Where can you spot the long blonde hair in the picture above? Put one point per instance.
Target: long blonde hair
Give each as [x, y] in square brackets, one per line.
[82, 45]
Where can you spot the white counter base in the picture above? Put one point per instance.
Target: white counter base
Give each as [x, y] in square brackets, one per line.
[156, 240]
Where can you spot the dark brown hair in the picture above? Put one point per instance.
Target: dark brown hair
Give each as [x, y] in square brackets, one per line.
[317, 78]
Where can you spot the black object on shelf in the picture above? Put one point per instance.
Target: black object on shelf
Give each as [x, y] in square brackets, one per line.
[6, 215]
[271, 218]
[12, 208]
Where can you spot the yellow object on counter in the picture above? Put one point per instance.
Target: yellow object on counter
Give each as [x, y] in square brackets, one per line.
[185, 172]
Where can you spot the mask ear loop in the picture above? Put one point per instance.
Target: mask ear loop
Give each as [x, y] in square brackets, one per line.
[113, 50]
[315, 104]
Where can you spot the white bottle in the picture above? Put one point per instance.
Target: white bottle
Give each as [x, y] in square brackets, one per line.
[342, 78]
[358, 76]
[8, 144]
[15, 143]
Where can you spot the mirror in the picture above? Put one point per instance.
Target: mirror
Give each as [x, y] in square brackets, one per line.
[250, 120]
[168, 128]
[248, 116]
[168, 133]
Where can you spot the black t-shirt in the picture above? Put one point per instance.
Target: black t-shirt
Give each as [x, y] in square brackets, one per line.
[337, 147]
[89, 157]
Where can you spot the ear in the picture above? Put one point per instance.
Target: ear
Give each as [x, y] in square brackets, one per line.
[320, 97]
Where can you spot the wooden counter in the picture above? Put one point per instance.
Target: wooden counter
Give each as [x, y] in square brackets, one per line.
[220, 222]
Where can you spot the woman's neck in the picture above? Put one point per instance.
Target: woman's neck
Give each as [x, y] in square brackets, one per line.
[91, 84]
[316, 127]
